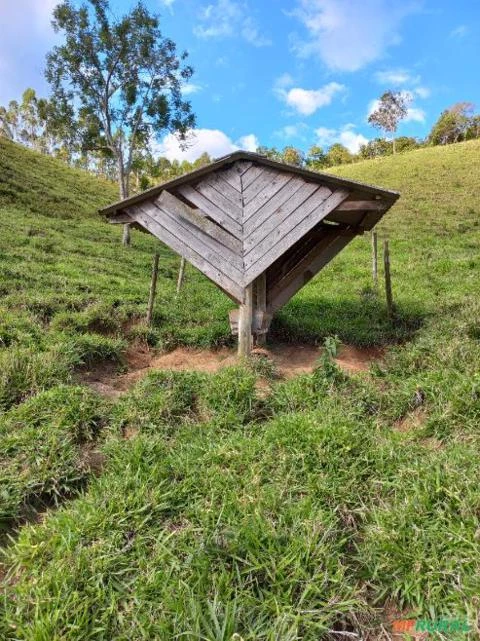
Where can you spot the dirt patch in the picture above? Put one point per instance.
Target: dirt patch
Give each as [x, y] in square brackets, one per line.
[289, 360]
[412, 421]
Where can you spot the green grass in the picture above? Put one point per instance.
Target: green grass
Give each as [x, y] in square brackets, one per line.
[225, 513]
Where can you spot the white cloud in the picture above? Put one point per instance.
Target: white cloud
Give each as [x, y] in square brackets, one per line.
[213, 141]
[188, 90]
[251, 34]
[283, 81]
[459, 32]
[346, 135]
[396, 77]
[401, 78]
[415, 114]
[290, 132]
[422, 92]
[228, 18]
[308, 101]
[249, 142]
[347, 34]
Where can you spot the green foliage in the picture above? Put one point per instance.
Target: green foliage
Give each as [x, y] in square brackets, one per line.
[454, 124]
[117, 80]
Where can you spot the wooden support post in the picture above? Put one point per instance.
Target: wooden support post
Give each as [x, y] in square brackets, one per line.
[181, 275]
[261, 302]
[375, 259]
[388, 279]
[126, 240]
[153, 289]
[245, 323]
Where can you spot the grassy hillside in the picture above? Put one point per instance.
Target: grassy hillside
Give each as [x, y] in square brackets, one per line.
[328, 505]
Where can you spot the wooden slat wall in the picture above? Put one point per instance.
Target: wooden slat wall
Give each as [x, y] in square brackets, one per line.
[242, 220]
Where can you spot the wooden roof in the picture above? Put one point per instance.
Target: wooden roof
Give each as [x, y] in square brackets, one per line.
[192, 176]
[245, 216]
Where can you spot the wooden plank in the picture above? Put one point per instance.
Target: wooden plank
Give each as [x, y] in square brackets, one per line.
[227, 261]
[266, 194]
[230, 209]
[284, 236]
[242, 166]
[232, 176]
[362, 205]
[250, 175]
[264, 178]
[175, 206]
[276, 217]
[197, 260]
[225, 189]
[212, 210]
[310, 265]
[271, 207]
[278, 228]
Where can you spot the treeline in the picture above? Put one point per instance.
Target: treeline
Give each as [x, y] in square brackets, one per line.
[34, 122]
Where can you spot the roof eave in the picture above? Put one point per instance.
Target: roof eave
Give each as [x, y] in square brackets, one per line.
[390, 196]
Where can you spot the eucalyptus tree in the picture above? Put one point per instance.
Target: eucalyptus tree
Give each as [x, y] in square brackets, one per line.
[122, 78]
[391, 109]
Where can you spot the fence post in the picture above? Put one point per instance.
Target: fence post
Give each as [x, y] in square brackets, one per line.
[388, 279]
[375, 259]
[181, 275]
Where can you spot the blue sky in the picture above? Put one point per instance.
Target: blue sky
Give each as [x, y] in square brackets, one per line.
[287, 72]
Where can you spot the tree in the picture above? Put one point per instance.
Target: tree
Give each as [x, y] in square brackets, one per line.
[270, 152]
[292, 156]
[338, 154]
[391, 109]
[9, 119]
[122, 78]
[453, 124]
[316, 158]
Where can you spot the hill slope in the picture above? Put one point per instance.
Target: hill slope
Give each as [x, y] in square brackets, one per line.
[42, 185]
[328, 503]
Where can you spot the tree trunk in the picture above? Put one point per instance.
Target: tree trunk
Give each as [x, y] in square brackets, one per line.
[123, 188]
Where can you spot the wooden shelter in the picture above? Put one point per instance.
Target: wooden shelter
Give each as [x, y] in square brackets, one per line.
[259, 229]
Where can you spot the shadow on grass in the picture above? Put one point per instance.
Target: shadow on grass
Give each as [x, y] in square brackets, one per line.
[362, 322]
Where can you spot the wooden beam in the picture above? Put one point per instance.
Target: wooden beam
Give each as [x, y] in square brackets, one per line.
[260, 285]
[305, 271]
[362, 205]
[245, 323]
[119, 219]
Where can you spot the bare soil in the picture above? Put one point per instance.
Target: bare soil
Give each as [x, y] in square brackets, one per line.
[289, 359]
